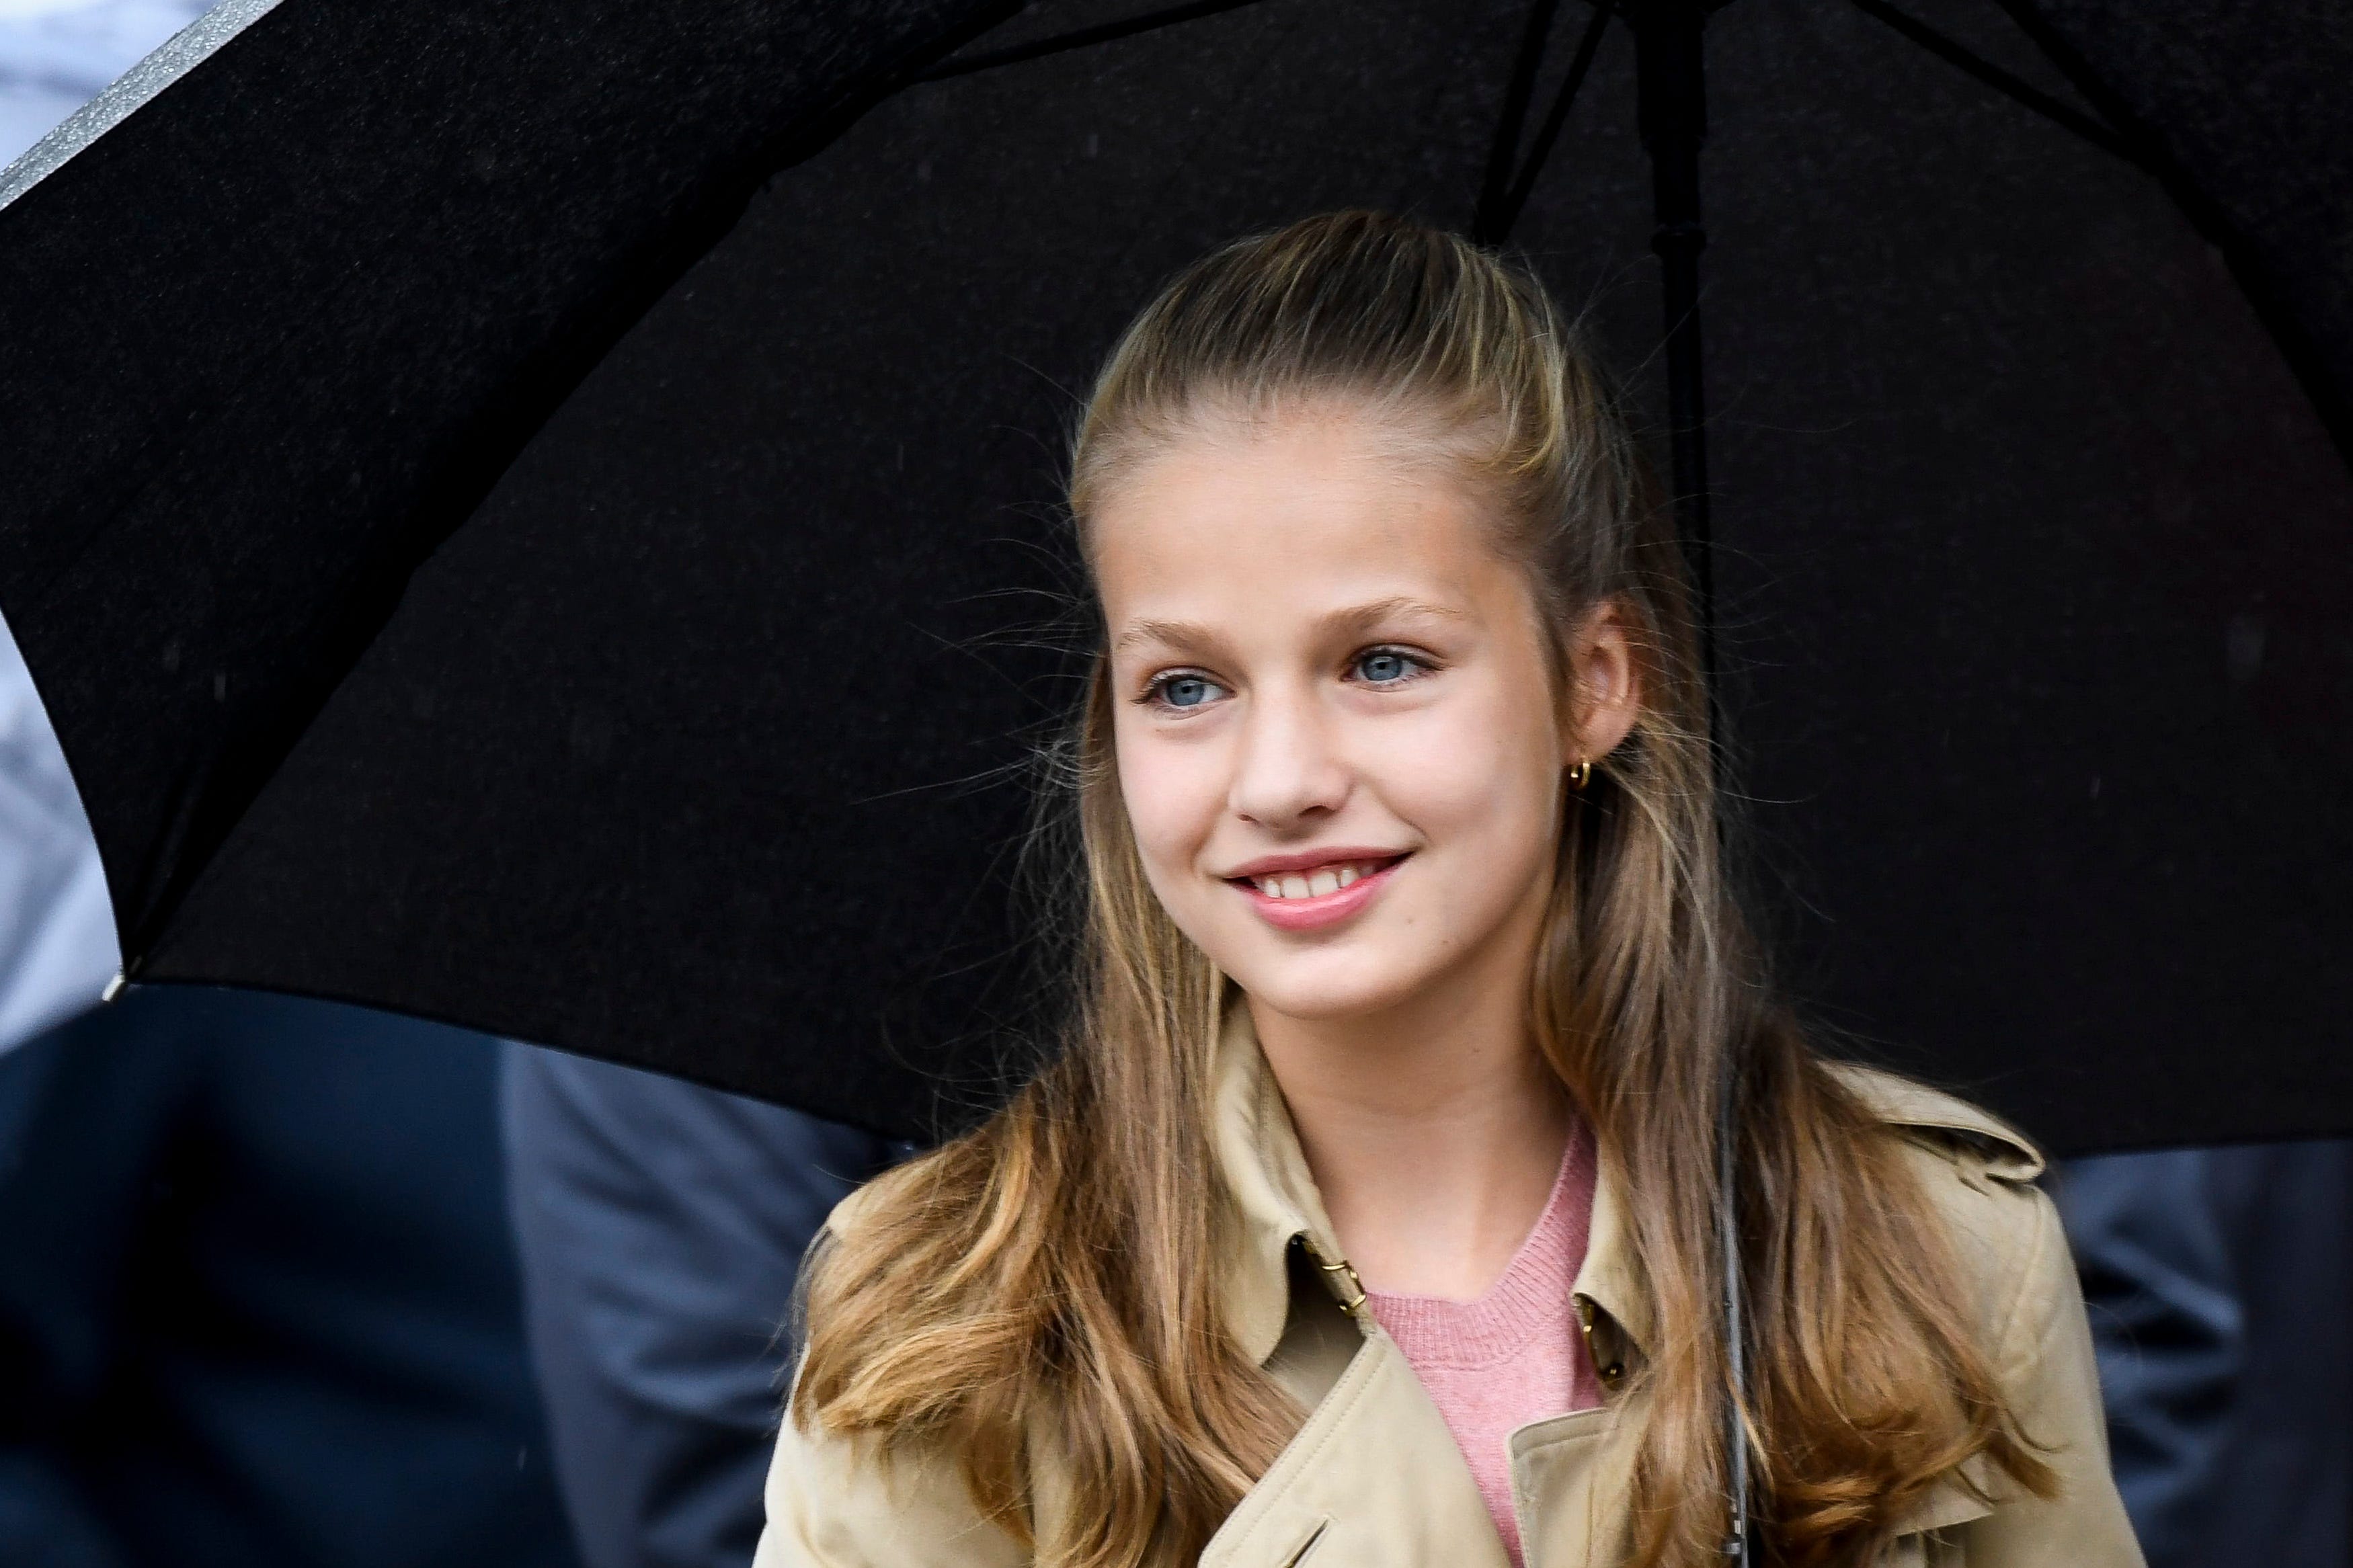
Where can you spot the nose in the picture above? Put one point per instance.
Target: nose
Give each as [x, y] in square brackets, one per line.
[1287, 775]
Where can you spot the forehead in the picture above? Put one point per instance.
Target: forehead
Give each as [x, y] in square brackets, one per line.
[1271, 520]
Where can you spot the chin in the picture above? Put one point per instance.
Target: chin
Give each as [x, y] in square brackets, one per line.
[1326, 993]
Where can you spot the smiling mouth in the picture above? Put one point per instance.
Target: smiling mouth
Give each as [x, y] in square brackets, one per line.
[1318, 882]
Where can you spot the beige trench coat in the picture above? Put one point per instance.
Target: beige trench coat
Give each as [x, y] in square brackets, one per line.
[1373, 1479]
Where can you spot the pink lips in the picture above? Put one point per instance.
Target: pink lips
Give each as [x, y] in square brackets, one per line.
[1323, 909]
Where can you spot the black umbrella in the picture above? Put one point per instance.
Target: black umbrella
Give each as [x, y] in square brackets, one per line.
[531, 514]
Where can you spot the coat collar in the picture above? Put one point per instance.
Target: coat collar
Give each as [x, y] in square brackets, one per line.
[1900, 1102]
[1258, 1152]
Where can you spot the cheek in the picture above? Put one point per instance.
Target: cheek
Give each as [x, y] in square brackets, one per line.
[1173, 792]
[1479, 776]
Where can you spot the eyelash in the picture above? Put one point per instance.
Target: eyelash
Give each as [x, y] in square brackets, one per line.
[1417, 665]
[1155, 691]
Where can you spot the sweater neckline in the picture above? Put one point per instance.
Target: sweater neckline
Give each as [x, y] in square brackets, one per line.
[1532, 1294]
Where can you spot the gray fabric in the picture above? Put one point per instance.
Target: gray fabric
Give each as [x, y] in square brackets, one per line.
[660, 1225]
[56, 929]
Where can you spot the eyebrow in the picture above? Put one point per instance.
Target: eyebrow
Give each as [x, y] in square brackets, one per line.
[1356, 618]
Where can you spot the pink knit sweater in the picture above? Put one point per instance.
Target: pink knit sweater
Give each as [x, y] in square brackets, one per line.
[1515, 1355]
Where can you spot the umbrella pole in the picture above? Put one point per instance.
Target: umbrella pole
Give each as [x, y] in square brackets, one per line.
[1670, 87]
[1672, 104]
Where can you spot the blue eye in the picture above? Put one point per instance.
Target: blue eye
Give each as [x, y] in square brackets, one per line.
[1183, 691]
[1385, 666]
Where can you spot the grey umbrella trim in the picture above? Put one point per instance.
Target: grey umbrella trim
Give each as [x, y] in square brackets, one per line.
[183, 52]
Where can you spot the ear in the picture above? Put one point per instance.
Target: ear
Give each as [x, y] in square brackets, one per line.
[1605, 694]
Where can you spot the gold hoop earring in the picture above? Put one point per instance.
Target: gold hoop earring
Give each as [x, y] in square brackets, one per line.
[1581, 775]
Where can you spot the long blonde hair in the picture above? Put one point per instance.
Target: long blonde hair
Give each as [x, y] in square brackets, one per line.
[1046, 1279]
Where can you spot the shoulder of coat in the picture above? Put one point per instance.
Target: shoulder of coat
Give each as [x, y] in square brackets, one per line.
[1979, 1174]
[1951, 1124]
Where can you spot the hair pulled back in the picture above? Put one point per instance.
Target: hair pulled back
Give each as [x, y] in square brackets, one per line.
[1046, 1277]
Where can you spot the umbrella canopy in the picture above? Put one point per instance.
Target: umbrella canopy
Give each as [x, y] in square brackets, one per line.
[538, 515]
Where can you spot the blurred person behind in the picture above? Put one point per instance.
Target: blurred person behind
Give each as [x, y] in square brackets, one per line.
[2217, 1280]
[661, 1227]
[260, 1310]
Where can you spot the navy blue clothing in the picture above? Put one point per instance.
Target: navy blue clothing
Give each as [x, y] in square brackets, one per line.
[2220, 1288]
[257, 1299]
[661, 1225]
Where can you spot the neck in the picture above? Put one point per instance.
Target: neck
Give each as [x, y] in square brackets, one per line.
[1434, 1131]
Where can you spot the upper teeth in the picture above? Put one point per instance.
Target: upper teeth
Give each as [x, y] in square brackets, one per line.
[1316, 883]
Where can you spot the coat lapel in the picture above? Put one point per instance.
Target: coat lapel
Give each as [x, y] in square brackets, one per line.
[1374, 1479]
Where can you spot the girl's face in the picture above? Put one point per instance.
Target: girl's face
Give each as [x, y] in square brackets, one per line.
[1337, 734]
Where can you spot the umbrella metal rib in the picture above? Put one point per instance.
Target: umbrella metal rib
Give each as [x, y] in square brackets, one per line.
[1501, 203]
[1521, 87]
[2247, 266]
[2115, 129]
[1953, 52]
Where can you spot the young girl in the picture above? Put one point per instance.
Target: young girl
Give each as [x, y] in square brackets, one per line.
[1368, 1216]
